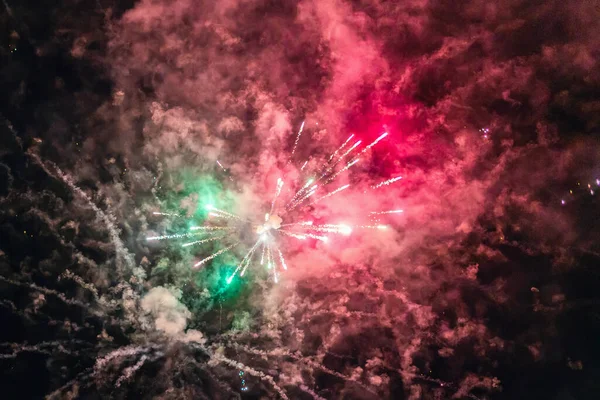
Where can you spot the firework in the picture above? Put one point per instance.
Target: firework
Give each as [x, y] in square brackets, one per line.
[386, 183]
[340, 148]
[277, 193]
[297, 139]
[224, 170]
[203, 241]
[175, 236]
[333, 192]
[292, 234]
[386, 212]
[201, 262]
[223, 226]
[347, 167]
[166, 214]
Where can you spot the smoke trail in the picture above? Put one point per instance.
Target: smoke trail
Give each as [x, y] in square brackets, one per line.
[121, 251]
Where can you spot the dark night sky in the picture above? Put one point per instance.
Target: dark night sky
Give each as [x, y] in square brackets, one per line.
[485, 287]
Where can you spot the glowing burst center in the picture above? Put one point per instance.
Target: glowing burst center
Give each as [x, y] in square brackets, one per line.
[272, 222]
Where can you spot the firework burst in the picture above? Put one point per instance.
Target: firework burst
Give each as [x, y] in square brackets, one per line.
[269, 233]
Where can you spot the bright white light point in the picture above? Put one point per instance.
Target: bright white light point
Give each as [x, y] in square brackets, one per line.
[597, 181]
[562, 202]
[382, 227]
[592, 192]
[209, 207]
[229, 279]
[266, 217]
[345, 230]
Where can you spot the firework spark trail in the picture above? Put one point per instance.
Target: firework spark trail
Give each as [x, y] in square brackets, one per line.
[201, 262]
[299, 192]
[321, 238]
[330, 228]
[332, 166]
[271, 262]
[368, 148]
[310, 181]
[251, 251]
[302, 223]
[380, 227]
[281, 259]
[224, 170]
[292, 234]
[246, 259]
[304, 165]
[373, 144]
[210, 228]
[269, 256]
[298, 199]
[174, 236]
[166, 214]
[340, 148]
[223, 214]
[386, 212]
[277, 193]
[323, 229]
[298, 202]
[204, 240]
[332, 193]
[262, 254]
[297, 140]
[349, 150]
[386, 183]
[347, 167]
